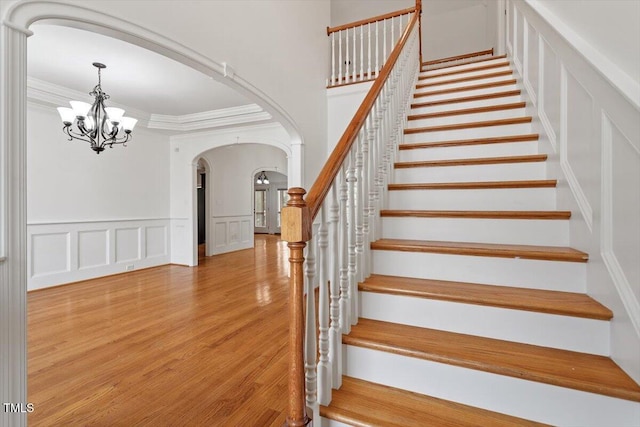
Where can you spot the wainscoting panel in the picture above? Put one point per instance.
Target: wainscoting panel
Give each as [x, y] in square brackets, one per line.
[590, 117]
[66, 252]
[93, 248]
[531, 59]
[50, 254]
[232, 233]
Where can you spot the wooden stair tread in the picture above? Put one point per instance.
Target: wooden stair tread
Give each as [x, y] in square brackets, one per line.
[547, 253]
[473, 161]
[465, 79]
[494, 95]
[473, 141]
[466, 63]
[580, 371]
[537, 300]
[477, 110]
[468, 70]
[540, 183]
[362, 403]
[466, 88]
[550, 215]
[470, 125]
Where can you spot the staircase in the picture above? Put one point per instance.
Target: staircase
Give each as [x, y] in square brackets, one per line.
[476, 312]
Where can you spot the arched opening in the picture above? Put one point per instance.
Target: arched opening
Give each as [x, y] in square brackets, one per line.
[13, 238]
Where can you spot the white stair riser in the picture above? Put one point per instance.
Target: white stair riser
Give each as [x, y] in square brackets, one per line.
[467, 104]
[468, 151]
[521, 273]
[463, 93]
[479, 132]
[468, 173]
[526, 399]
[326, 422]
[526, 199]
[504, 231]
[462, 67]
[467, 118]
[465, 75]
[445, 86]
[548, 330]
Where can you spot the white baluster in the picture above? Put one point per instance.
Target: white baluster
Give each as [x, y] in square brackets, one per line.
[310, 347]
[347, 60]
[393, 35]
[351, 225]
[377, 49]
[345, 303]
[355, 56]
[340, 57]
[335, 334]
[361, 52]
[366, 141]
[384, 42]
[324, 364]
[359, 203]
[333, 59]
[369, 50]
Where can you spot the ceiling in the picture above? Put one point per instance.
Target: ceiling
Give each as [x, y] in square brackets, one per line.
[134, 77]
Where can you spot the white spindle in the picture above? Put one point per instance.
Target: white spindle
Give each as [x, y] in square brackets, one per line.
[361, 53]
[310, 337]
[324, 364]
[354, 55]
[333, 59]
[335, 334]
[345, 303]
[384, 42]
[340, 57]
[369, 50]
[393, 36]
[366, 141]
[359, 204]
[347, 60]
[377, 49]
[351, 226]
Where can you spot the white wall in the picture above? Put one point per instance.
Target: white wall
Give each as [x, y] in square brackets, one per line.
[243, 150]
[589, 127]
[612, 27]
[454, 27]
[342, 104]
[90, 215]
[345, 11]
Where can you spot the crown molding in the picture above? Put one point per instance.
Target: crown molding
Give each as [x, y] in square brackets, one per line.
[258, 127]
[223, 117]
[51, 95]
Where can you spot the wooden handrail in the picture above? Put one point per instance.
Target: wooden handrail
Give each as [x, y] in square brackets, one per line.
[456, 58]
[370, 20]
[321, 186]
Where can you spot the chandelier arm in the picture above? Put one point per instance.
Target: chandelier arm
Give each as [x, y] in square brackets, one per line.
[74, 135]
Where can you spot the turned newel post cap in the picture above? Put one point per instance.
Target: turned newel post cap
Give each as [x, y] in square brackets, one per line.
[296, 195]
[296, 219]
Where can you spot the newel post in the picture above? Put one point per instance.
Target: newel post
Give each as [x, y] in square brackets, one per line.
[296, 230]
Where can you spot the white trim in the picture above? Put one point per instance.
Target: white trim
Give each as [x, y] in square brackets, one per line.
[542, 114]
[92, 221]
[525, 67]
[623, 83]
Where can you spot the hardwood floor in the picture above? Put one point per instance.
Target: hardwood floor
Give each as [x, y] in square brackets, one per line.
[166, 346]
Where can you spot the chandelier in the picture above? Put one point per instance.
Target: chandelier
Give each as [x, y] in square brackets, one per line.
[96, 124]
[262, 178]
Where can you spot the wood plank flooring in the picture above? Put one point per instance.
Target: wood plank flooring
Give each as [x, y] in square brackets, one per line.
[166, 346]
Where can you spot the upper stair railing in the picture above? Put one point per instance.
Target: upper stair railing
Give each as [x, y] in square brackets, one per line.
[344, 202]
[360, 49]
[457, 60]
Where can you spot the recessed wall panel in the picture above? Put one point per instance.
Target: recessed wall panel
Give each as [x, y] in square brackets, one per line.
[532, 59]
[550, 105]
[246, 231]
[625, 210]
[50, 253]
[127, 244]
[234, 232]
[156, 241]
[221, 234]
[93, 248]
[582, 145]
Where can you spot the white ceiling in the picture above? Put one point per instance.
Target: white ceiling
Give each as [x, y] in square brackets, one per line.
[134, 77]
